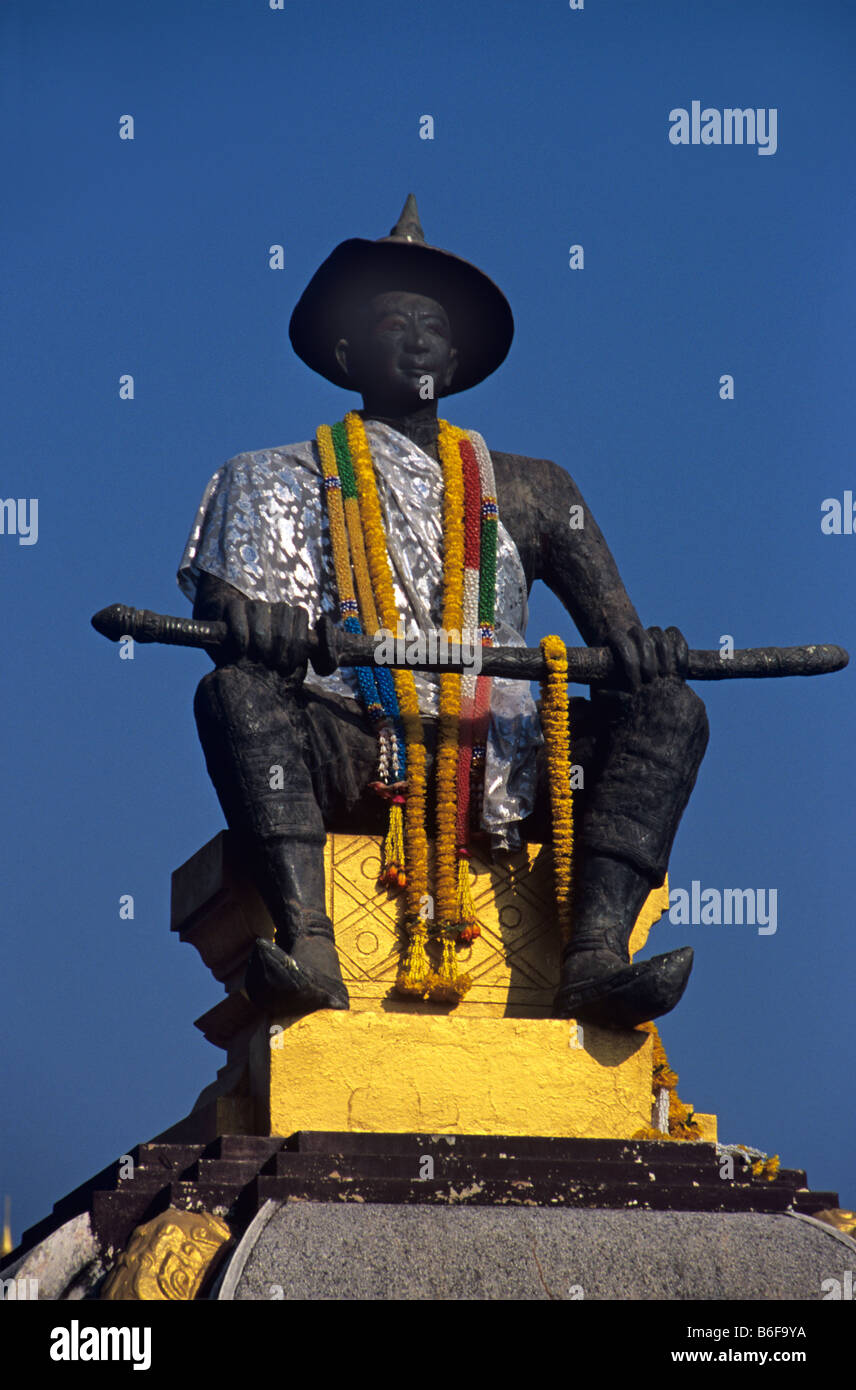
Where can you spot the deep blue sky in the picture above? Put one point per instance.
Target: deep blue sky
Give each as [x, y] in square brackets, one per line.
[300, 127]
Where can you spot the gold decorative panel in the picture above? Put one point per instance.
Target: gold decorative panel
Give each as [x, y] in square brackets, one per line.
[167, 1258]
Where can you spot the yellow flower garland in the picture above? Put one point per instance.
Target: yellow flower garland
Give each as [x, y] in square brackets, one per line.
[446, 983]
[413, 976]
[683, 1126]
[327, 452]
[555, 723]
[361, 568]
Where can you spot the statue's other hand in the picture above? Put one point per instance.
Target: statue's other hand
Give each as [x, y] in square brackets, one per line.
[275, 635]
[642, 655]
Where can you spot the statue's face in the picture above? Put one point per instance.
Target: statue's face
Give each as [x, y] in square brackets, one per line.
[397, 341]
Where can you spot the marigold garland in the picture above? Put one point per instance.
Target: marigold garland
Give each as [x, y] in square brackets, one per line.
[413, 975]
[555, 724]
[446, 982]
[366, 592]
[377, 688]
[450, 681]
[392, 769]
[766, 1167]
[338, 535]
[682, 1123]
[472, 483]
[355, 529]
[683, 1126]
[455, 913]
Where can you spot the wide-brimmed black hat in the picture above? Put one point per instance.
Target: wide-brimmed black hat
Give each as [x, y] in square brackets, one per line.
[479, 314]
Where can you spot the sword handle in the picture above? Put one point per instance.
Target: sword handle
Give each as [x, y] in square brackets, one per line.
[119, 620]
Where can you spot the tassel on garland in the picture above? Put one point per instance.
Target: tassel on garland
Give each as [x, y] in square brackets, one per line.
[447, 985]
[413, 976]
[470, 928]
[393, 874]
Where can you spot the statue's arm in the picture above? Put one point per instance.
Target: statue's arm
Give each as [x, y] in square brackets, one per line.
[273, 634]
[580, 569]
[561, 543]
[212, 596]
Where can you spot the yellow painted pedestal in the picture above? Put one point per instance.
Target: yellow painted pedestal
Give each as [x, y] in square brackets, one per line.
[417, 1073]
[496, 1063]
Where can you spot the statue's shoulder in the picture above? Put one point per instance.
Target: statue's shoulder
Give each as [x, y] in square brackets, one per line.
[521, 476]
[282, 455]
[267, 466]
[513, 462]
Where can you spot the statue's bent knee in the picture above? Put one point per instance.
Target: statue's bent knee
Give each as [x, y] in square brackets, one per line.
[254, 756]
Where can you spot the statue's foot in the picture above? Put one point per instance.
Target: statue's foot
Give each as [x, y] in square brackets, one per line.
[298, 983]
[599, 987]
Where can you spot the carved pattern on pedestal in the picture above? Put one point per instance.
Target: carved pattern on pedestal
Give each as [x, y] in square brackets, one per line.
[514, 963]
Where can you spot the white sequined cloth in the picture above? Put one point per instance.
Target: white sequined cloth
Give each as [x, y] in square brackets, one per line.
[262, 527]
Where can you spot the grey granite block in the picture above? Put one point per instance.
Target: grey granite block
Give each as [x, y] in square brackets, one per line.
[309, 1250]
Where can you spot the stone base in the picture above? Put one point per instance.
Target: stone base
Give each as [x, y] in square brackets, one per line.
[416, 1187]
[310, 1250]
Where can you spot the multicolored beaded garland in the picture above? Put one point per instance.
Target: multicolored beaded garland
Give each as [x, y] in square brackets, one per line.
[367, 603]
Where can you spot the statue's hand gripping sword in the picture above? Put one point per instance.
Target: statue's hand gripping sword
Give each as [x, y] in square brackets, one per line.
[331, 647]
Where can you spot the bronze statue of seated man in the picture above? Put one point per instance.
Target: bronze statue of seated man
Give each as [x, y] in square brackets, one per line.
[292, 755]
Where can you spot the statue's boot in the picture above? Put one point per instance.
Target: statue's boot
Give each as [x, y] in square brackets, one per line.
[598, 984]
[249, 722]
[299, 971]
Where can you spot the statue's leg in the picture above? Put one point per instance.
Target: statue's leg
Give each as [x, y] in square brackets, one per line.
[271, 763]
[645, 768]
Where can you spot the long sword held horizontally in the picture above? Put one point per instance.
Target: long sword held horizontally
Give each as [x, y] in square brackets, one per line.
[330, 647]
